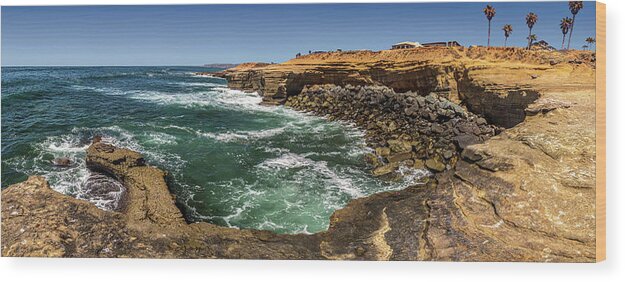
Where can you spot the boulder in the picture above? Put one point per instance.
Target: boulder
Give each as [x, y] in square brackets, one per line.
[373, 159]
[496, 164]
[399, 146]
[383, 151]
[418, 164]
[398, 157]
[471, 154]
[545, 105]
[437, 128]
[435, 164]
[465, 140]
[385, 169]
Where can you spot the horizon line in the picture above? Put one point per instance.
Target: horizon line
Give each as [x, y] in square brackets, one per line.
[25, 66]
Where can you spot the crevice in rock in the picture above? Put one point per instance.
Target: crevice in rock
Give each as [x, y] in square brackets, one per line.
[426, 249]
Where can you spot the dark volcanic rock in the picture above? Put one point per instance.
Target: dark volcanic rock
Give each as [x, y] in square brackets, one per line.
[465, 140]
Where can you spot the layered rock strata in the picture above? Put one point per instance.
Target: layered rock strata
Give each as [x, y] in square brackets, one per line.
[497, 83]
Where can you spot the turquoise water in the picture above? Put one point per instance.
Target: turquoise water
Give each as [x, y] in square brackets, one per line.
[231, 161]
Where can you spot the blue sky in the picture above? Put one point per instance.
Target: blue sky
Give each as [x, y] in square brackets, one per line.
[199, 34]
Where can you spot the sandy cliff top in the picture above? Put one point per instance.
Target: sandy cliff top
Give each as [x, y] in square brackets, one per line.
[431, 55]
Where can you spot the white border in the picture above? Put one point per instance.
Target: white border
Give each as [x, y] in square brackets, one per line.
[23, 269]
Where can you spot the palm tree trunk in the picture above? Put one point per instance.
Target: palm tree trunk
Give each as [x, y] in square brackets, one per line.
[563, 37]
[529, 40]
[571, 33]
[505, 42]
[488, 33]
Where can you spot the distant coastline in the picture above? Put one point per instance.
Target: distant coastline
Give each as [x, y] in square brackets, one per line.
[220, 66]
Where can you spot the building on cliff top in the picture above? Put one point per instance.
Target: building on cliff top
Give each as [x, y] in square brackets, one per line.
[405, 45]
[442, 44]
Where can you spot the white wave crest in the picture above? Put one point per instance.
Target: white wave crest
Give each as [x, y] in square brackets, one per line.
[286, 161]
[242, 135]
[200, 84]
[318, 168]
[160, 138]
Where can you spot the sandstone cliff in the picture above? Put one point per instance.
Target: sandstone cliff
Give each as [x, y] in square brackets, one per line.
[498, 83]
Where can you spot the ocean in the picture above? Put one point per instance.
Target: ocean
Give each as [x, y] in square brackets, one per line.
[230, 160]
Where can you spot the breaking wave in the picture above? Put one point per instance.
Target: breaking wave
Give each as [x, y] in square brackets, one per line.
[76, 179]
[318, 169]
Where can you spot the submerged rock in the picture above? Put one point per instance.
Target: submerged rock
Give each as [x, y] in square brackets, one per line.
[62, 162]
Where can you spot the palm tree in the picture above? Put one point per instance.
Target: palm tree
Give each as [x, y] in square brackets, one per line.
[574, 6]
[565, 24]
[507, 30]
[489, 11]
[590, 41]
[530, 19]
[531, 38]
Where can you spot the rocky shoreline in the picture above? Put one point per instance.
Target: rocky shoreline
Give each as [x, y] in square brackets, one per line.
[404, 128]
[500, 130]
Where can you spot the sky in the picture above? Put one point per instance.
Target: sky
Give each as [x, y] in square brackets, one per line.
[201, 34]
